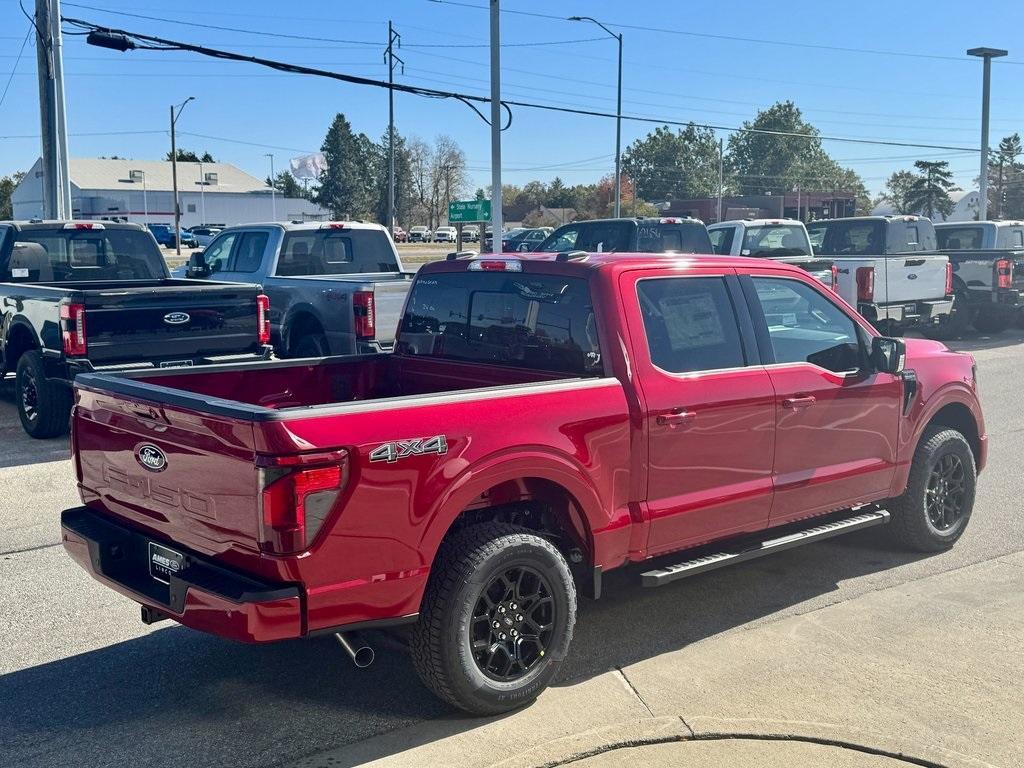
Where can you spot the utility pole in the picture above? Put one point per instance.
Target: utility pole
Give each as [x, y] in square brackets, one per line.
[986, 54]
[273, 189]
[174, 175]
[721, 177]
[52, 114]
[390, 58]
[1000, 192]
[496, 216]
[202, 193]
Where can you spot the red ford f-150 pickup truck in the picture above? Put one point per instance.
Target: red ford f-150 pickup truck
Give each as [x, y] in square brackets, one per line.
[543, 419]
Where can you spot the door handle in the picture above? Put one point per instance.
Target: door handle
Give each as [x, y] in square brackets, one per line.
[676, 418]
[803, 401]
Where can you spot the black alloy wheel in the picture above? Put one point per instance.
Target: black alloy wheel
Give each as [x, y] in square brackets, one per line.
[512, 624]
[947, 485]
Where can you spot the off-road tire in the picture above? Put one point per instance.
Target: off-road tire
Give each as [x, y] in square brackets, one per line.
[957, 322]
[44, 405]
[993, 321]
[910, 525]
[310, 345]
[440, 641]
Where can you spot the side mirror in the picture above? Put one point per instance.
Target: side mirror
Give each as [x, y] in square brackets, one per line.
[197, 266]
[888, 355]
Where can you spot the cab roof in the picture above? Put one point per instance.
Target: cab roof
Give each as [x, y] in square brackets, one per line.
[579, 262]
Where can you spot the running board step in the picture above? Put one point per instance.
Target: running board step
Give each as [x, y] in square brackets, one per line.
[670, 573]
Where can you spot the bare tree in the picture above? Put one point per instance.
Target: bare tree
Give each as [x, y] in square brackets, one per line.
[451, 176]
[421, 161]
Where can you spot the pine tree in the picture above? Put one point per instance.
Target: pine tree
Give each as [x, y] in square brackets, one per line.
[343, 185]
[929, 193]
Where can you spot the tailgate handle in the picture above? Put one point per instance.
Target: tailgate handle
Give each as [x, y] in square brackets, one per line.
[913, 262]
[143, 411]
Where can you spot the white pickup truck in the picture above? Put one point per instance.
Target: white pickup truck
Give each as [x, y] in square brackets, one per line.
[887, 267]
[782, 240]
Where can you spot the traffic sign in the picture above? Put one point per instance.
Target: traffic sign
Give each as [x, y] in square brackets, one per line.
[461, 211]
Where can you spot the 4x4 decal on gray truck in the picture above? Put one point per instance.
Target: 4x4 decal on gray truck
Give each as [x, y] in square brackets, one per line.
[418, 446]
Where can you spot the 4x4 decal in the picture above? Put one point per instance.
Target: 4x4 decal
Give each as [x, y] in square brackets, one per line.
[401, 449]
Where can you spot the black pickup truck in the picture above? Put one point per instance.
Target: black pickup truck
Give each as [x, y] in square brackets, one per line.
[91, 296]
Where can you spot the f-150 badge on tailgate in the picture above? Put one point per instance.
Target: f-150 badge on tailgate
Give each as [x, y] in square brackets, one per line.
[401, 449]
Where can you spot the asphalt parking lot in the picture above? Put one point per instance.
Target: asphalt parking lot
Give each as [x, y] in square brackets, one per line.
[84, 683]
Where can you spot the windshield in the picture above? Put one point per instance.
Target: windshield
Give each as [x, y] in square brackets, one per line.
[864, 237]
[776, 240]
[542, 322]
[955, 238]
[335, 252]
[92, 254]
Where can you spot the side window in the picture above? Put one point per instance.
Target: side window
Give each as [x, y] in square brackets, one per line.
[721, 240]
[566, 240]
[690, 324]
[805, 327]
[249, 252]
[218, 252]
[1018, 238]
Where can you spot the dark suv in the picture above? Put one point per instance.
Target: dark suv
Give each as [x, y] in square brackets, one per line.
[641, 235]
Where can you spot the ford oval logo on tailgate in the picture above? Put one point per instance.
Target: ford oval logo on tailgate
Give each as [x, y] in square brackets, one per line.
[911, 276]
[176, 318]
[151, 458]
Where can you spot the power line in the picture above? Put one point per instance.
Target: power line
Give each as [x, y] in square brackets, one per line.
[157, 43]
[734, 38]
[21, 50]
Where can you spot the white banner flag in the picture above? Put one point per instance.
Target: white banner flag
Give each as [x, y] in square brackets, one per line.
[308, 166]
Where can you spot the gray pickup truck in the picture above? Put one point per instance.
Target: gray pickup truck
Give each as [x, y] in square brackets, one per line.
[335, 287]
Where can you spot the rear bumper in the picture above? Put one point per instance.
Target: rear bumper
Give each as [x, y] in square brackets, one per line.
[203, 595]
[911, 312]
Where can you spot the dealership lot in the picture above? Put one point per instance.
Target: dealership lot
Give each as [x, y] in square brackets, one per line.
[85, 683]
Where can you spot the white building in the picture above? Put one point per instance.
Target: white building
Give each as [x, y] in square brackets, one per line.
[142, 191]
[965, 207]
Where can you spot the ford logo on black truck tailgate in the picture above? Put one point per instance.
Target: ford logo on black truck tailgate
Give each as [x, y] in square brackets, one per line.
[176, 318]
[151, 458]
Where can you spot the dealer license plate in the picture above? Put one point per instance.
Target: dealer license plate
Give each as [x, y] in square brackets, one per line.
[164, 562]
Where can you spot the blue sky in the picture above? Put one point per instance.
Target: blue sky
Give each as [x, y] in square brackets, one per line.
[671, 71]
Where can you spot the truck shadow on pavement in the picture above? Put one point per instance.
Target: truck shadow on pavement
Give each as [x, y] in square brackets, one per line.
[178, 692]
[18, 449]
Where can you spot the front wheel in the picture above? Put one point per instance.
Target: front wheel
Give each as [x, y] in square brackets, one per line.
[934, 510]
[44, 405]
[496, 619]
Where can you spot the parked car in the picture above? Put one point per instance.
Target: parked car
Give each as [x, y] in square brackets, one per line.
[445, 235]
[203, 236]
[543, 420]
[419, 235]
[164, 235]
[640, 235]
[524, 240]
[400, 235]
[988, 273]
[782, 240]
[470, 233]
[335, 288]
[888, 268]
[80, 296]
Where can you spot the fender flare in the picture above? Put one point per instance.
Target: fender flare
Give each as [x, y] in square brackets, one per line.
[489, 471]
[19, 321]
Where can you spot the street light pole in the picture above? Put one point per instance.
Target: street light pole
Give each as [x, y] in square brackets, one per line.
[618, 118]
[986, 54]
[174, 174]
[391, 58]
[273, 188]
[145, 199]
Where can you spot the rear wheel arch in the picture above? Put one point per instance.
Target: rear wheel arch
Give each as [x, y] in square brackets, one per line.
[301, 322]
[20, 339]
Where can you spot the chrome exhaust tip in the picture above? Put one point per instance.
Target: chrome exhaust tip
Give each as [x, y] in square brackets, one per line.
[362, 656]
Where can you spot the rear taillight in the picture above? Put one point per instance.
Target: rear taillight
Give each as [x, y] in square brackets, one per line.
[72, 327]
[834, 285]
[296, 496]
[263, 319]
[1004, 273]
[865, 283]
[949, 278]
[365, 314]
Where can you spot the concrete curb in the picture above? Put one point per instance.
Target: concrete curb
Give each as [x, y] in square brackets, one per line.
[669, 729]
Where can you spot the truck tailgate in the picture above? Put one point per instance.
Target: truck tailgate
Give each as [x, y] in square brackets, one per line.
[911, 277]
[185, 476]
[168, 323]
